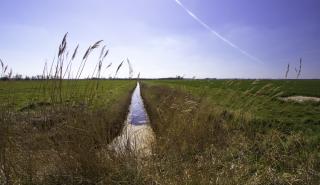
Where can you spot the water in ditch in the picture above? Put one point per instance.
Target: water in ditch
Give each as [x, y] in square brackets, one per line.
[137, 135]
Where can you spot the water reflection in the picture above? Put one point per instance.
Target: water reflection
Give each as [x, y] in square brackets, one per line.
[137, 135]
[137, 113]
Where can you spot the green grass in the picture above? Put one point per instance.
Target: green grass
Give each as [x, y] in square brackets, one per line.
[207, 132]
[234, 131]
[58, 131]
[22, 93]
[286, 87]
[46, 139]
[259, 99]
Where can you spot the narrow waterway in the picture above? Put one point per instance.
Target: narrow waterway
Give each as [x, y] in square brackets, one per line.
[137, 135]
[137, 112]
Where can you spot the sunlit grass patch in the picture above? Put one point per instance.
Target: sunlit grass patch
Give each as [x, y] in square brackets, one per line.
[219, 134]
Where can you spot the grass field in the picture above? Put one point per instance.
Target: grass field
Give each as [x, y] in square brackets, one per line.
[48, 139]
[259, 99]
[207, 132]
[234, 131]
[21, 93]
[285, 87]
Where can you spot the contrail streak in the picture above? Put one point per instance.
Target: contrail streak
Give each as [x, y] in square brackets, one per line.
[216, 33]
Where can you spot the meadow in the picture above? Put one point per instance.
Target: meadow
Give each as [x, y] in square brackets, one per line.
[22, 94]
[60, 130]
[207, 132]
[234, 131]
[57, 128]
[48, 139]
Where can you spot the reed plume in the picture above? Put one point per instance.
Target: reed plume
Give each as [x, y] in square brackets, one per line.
[63, 54]
[44, 74]
[102, 51]
[300, 66]
[96, 45]
[63, 45]
[85, 57]
[98, 66]
[109, 66]
[130, 69]
[118, 69]
[288, 68]
[2, 67]
[70, 61]
[106, 53]
[101, 60]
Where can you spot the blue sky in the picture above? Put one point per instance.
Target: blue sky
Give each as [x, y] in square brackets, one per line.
[161, 39]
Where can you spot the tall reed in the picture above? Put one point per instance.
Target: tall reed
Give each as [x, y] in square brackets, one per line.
[60, 134]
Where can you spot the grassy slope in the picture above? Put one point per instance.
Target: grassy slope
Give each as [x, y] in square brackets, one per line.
[60, 142]
[234, 132]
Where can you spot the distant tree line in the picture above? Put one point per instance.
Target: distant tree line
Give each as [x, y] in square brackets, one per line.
[20, 77]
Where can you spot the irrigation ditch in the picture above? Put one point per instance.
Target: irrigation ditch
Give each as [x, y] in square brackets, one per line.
[137, 135]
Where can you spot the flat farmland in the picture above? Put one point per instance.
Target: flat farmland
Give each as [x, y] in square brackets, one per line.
[235, 131]
[58, 133]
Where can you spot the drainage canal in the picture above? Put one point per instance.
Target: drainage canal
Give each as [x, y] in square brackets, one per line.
[137, 135]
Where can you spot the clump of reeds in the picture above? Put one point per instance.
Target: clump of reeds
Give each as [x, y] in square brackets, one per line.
[4, 70]
[58, 73]
[298, 71]
[59, 136]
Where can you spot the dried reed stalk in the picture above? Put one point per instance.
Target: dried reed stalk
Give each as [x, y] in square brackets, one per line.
[300, 66]
[70, 61]
[130, 69]
[118, 69]
[288, 68]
